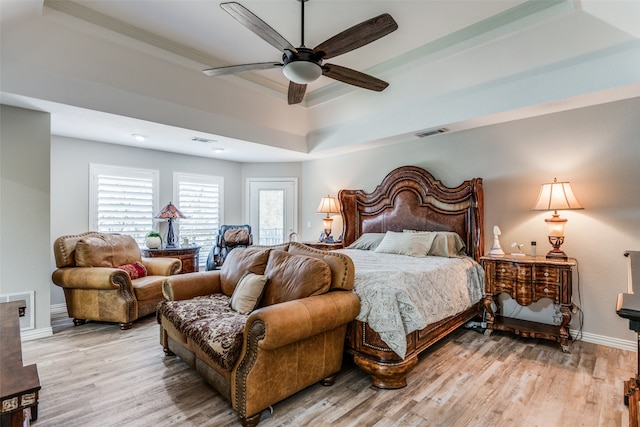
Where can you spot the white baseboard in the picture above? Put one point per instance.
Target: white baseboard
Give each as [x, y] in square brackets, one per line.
[34, 334]
[607, 341]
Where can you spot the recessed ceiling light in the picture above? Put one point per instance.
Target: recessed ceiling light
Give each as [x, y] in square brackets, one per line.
[219, 150]
[139, 137]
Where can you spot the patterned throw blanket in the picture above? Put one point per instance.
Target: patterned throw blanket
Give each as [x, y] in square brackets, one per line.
[400, 294]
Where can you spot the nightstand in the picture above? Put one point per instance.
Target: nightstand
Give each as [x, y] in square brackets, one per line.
[324, 246]
[528, 279]
[189, 255]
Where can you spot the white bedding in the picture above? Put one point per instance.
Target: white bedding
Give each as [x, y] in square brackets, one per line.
[400, 294]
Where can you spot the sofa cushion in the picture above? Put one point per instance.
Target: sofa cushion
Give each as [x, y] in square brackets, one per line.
[210, 323]
[238, 262]
[148, 287]
[249, 289]
[134, 270]
[293, 277]
[106, 250]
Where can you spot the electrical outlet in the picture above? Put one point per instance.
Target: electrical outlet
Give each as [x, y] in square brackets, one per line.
[308, 224]
[574, 308]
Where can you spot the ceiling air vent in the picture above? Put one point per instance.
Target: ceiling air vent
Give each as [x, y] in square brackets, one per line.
[430, 132]
[203, 140]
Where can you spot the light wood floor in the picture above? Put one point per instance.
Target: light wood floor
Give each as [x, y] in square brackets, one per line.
[98, 375]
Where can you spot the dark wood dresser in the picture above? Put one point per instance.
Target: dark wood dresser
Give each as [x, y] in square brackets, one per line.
[19, 385]
[189, 256]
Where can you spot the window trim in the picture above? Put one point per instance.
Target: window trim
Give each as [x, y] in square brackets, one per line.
[96, 170]
[204, 179]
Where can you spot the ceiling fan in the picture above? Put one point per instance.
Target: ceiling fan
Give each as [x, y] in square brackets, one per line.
[303, 65]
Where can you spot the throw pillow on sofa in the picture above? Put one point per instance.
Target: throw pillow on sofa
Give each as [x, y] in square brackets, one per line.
[134, 270]
[293, 277]
[246, 296]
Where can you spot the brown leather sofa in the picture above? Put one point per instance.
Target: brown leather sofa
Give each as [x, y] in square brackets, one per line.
[95, 289]
[292, 339]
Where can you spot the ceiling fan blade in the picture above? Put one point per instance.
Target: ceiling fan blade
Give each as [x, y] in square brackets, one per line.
[296, 93]
[257, 25]
[353, 77]
[357, 36]
[233, 69]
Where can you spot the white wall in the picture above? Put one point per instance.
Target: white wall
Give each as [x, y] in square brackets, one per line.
[24, 208]
[597, 149]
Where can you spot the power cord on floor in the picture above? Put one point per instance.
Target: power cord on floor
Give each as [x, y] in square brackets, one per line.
[578, 307]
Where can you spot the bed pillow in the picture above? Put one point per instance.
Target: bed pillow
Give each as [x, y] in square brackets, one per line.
[448, 244]
[367, 242]
[247, 293]
[412, 244]
[445, 243]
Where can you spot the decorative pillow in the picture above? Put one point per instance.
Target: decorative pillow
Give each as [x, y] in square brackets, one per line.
[412, 244]
[236, 236]
[445, 243]
[247, 294]
[367, 242]
[134, 270]
[293, 277]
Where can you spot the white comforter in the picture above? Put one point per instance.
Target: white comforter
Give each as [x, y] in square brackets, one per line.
[400, 294]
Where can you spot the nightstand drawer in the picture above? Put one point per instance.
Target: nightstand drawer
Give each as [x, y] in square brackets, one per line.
[546, 291]
[505, 271]
[546, 275]
[507, 286]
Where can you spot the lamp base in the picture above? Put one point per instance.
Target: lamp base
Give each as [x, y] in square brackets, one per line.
[556, 253]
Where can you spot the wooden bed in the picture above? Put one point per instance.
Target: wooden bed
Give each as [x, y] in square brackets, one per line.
[410, 198]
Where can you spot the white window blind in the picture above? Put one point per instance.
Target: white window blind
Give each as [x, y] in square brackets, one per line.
[123, 200]
[200, 199]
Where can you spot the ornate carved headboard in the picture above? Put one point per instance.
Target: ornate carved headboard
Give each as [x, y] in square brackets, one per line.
[410, 198]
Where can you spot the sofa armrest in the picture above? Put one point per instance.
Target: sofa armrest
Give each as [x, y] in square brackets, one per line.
[162, 266]
[101, 278]
[186, 286]
[293, 321]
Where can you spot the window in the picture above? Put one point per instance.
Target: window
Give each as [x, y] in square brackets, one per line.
[122, 200]
[199, 198]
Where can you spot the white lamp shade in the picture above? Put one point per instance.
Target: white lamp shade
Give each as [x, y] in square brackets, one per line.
[328, 205]
[302, 72]
[556, 196]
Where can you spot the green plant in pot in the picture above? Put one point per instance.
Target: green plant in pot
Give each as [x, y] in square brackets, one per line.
[153, 240]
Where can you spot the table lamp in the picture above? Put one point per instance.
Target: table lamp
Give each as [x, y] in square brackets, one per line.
[170, 213]
[555, 196]
[329, 206]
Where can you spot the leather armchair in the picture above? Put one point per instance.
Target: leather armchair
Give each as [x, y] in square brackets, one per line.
[283, 347]
[95, 289]
[229, 237]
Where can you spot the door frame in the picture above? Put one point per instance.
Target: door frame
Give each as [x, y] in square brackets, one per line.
[287, 180]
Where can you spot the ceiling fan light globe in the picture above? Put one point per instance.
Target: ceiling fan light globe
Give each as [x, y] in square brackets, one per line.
[302, 72]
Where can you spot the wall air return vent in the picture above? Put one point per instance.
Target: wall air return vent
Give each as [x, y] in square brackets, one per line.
[430, 132]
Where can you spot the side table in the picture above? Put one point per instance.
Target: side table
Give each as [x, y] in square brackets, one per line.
[527, 279]
[189, 255]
